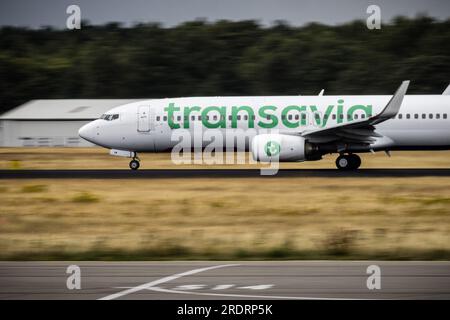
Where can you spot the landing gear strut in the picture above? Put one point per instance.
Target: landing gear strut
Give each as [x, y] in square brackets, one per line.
[348, 162]
[135, 164]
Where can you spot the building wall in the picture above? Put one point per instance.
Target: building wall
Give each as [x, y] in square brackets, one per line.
[2, 135]
[40, 133]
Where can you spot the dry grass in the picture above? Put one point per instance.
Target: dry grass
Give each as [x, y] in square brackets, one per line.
[98, 158]
[251, 218]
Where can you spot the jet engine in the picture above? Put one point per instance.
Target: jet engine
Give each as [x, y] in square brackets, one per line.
[282, 148]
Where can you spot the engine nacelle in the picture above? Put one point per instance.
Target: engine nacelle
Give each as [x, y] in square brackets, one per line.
[280, 148]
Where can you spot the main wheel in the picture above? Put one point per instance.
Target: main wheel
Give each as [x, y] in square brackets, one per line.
[348, 162]
[134, 164]
[355, 161]
[343, 162]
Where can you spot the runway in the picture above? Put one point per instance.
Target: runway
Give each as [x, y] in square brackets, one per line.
[218, 173]
[283, 280]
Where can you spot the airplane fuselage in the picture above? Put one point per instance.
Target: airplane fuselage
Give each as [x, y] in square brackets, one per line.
[423, 121]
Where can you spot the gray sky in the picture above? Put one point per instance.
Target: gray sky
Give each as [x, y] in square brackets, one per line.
[36, 13]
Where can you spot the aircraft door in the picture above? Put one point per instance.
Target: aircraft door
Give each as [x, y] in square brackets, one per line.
[146, 119]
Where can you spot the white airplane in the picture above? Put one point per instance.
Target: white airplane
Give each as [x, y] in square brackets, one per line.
[284, 128]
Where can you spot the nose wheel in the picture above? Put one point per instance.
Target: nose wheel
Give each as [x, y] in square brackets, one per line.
[348, 162]
[134, 164]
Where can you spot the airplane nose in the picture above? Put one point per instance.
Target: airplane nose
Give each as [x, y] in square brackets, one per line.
[87, 132]
[82, 132]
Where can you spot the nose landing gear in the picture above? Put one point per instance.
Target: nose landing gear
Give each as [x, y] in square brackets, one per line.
[348, 162]
[135, 164]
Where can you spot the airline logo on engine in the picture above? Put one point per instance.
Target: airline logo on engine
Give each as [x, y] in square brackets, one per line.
[272, 148]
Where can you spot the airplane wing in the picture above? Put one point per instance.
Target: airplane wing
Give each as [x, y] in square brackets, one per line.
[362, 131]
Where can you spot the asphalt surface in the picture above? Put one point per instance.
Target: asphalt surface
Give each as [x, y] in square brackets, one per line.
[225, 280]
[217, 173]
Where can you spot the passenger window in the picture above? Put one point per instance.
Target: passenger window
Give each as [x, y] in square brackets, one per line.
[356, 116]
[297, 117]
[192, 118]
[341, 116]
[444, 116]
[157, 118]
[245, 117]
[438, 115]
[229, 117]
[165, 118]
[408, 116]
[424, 116]
[430, 116]
[333, 117]
[199, 118]
[400, 116]
[416, 116]
[238, 117]
[290, 117]
[179, 118]
[214, 117]
[363, 116]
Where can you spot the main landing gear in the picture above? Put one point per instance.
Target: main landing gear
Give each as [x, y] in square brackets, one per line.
[348, 162]
[135, 164]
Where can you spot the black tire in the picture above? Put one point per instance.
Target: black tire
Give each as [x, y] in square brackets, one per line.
[355, 161]
[343, 162]
[134, 164]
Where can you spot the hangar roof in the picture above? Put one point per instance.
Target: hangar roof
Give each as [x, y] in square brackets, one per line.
[63, 109]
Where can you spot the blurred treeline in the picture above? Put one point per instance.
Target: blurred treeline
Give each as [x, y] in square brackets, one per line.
[222, 58]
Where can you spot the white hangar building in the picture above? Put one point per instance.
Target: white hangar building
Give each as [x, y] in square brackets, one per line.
[52, 123]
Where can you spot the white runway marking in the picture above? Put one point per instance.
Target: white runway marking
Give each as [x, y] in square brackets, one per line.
[190, 287]
[223, 286]
[149, 285]
[187, 287]
[245, 295]
[258, 287]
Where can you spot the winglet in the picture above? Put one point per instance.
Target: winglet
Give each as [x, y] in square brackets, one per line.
[446, 91]
[390, 110]
[393, 105]
[321, 92]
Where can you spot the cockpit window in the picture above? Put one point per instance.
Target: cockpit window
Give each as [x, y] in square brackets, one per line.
[109, 117]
